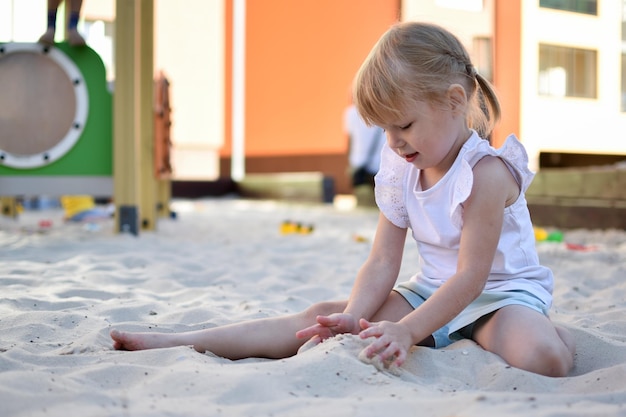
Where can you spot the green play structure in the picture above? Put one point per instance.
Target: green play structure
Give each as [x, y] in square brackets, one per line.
[56, 91]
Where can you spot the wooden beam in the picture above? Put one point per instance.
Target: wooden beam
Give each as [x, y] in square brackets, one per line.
[148, 186]
[8, 206]
[134, 183]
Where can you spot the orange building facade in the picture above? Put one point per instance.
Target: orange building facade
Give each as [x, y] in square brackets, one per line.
[299, 63]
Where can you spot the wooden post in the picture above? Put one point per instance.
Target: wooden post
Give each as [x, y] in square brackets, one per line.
[164, 196]
[148, 187]
[133, 184]
[9, 206]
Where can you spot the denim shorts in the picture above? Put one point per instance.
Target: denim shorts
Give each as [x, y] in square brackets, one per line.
[461, 327]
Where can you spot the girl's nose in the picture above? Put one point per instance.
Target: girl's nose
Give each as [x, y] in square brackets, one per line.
[394, 140]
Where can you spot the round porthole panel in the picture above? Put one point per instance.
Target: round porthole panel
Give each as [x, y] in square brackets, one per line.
[44, 105]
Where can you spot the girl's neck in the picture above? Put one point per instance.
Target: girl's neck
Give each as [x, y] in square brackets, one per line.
[429, 177]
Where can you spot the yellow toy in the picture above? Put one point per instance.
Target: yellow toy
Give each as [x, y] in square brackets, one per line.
[75, 204]
[542, 235]
[288, 227]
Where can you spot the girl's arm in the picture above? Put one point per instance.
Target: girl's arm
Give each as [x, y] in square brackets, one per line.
[379, 273]
[493, 189]
[372, 286]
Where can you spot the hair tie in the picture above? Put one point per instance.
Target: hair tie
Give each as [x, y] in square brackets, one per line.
[471, 70]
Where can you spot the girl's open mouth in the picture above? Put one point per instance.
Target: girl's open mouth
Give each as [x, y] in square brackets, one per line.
[410, 157]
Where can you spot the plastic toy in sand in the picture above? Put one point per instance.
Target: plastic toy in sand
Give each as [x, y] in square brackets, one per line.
[289, 228]
[542, 235]
[82, 208]
[359, 238]
[581, 248]
[45, 224]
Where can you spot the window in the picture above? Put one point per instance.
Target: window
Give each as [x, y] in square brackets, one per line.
[482, 56]
[577, 6]
[567, 72]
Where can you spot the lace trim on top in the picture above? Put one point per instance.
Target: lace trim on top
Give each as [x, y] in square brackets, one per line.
[391, 178]
[389, 190]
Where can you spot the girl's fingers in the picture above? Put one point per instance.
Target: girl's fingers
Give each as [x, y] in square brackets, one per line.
[307, 332]
[390, 352]
[327, 326]
[386, 352]
[376, 347]
[385, 346]
[401, 357]
[327, 320]
[323, 322]
[315, 330]
[370, 330]
[365, 324]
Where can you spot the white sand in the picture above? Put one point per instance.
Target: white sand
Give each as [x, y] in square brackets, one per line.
[224, 260]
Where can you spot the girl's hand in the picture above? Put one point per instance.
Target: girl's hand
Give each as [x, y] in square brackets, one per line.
[393, 341]
[329, 326]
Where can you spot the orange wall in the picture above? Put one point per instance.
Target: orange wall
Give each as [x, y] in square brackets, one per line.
[300, 60]
[507, 66]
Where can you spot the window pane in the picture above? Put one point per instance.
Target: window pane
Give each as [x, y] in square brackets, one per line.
[482, 56]
[578, 6]
[567, 72]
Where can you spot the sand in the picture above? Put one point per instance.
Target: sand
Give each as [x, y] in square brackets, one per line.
[224, 260]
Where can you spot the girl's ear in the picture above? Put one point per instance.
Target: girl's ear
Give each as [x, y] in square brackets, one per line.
[457, 98]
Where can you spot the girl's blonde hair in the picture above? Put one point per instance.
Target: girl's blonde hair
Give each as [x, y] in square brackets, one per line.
[420, 61]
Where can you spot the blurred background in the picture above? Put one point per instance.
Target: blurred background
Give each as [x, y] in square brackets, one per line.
[267, 95]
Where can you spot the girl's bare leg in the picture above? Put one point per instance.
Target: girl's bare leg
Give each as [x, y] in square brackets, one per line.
[266, 338]
[263, 338]
[527, 340]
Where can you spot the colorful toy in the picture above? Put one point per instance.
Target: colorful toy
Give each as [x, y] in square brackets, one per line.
[288, 227]
[45, 224]
[581, 248]
[542, 235]
[359, 238]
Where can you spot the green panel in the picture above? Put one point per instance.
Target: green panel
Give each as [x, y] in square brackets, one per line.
[93, 152]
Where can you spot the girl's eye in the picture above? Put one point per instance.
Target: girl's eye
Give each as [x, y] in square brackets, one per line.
[406, 127]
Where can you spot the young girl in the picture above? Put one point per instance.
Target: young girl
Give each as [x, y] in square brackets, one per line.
[463, 202]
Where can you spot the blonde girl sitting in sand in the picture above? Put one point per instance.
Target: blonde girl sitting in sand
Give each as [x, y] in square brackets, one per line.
[463, 202]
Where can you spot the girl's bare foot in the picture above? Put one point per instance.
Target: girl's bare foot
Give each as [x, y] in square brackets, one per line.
[141, 341]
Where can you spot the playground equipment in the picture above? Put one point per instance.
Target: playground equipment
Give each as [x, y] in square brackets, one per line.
[57, 136]
[56, 131]
[123, 166]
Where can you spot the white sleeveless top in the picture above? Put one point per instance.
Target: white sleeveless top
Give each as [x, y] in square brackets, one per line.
[435, 217]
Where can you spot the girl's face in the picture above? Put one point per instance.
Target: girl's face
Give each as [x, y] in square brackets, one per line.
[429, 135]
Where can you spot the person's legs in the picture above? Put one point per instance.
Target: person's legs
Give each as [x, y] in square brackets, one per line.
[74, 38]
[48, 37]
[267, 338]
[526, 339]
